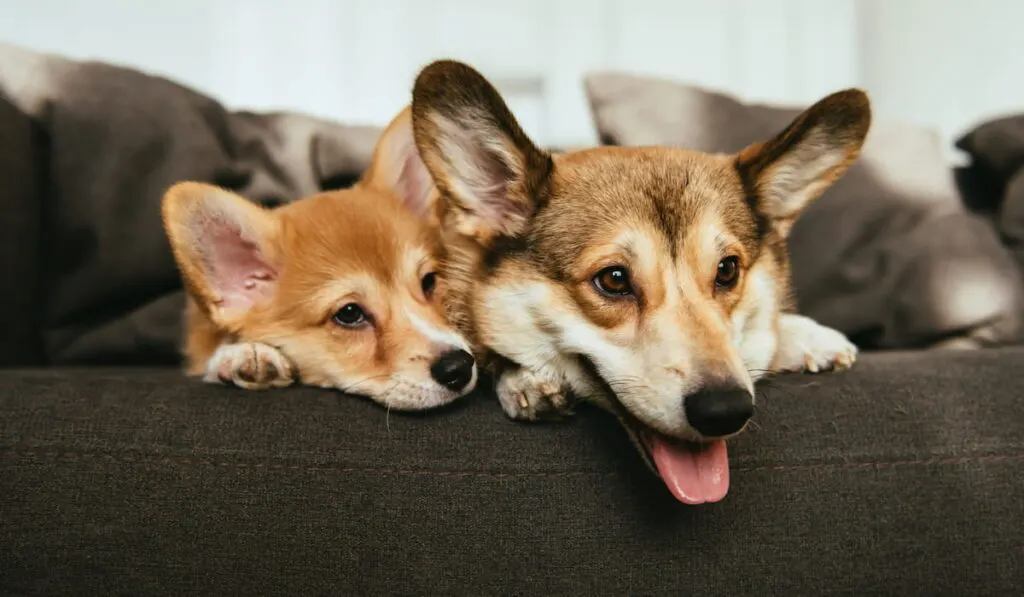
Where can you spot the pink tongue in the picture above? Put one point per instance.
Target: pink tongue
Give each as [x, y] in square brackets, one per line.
[693, 476]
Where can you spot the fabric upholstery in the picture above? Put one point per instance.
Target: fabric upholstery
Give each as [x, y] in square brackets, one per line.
[899, 477]
[996, 167]
[21, 206]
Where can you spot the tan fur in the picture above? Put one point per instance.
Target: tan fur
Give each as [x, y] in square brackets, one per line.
[527, 232]
[361, 245]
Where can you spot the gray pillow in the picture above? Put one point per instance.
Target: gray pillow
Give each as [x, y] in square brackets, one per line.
[996, 149]
[888, 255]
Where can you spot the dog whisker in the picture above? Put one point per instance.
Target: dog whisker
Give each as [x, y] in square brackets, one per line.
[352, 388]
[765, 391]
[385, 398]
[628, 384]
[396, 384]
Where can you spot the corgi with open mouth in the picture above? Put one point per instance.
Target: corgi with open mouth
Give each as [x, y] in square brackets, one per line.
[652, 281]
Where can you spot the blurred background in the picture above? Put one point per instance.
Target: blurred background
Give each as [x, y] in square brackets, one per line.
[946, 64]
[920, 244]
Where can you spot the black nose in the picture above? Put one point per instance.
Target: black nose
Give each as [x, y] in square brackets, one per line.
[453, 370]
[719, 409]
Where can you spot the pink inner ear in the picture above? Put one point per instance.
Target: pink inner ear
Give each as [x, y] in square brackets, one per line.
[489, 182]
[238, 272]
[414, 183]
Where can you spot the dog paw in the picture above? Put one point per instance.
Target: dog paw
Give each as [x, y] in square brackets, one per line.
[527, 395]
[250, 365]
[807, 346]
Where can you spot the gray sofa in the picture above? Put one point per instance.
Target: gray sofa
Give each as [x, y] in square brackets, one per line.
[122, 477]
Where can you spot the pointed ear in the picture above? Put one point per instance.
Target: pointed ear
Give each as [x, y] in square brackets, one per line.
[493, 177]
[225, 248]
[785, 174]
[397, 167]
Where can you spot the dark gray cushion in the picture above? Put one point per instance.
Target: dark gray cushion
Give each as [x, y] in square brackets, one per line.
[21, 211]
[996, 146]
[117, 139]
[899, 477]
[889, 255]
[996, 151]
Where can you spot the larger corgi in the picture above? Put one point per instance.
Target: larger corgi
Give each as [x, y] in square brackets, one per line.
[339, 290]
[653, 281]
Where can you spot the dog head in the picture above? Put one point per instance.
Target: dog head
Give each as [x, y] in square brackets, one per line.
[343, 283]
[650, 278]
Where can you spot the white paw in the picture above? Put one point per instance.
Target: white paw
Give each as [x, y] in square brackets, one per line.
[250, 365]
[807, 346]
[527, 395]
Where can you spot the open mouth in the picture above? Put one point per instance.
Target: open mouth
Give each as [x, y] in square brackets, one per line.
[695, 472]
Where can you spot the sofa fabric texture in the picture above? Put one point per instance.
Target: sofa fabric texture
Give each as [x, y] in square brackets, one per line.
[22, 180]
[898, 477]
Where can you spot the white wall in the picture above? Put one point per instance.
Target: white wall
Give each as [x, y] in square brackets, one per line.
[946, 63]
[355, 60]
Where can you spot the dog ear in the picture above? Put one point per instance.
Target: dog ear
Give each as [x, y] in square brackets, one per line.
[225, 248]
[397, 167]
[492, 175]
[785, 174]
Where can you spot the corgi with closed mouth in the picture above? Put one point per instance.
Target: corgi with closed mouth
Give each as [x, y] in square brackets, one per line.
[652, 281]
[340, 289]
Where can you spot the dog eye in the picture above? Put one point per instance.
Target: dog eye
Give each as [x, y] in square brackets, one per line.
[728, 272]
[428, 283]
[350, 316]
[613, 281]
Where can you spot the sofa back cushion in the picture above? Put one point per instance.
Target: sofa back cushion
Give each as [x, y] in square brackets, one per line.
[21, 194]
[996, 168]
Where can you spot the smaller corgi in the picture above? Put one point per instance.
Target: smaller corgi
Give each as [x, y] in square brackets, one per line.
[336, 290]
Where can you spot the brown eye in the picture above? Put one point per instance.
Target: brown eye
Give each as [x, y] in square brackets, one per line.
[428, 283]
[728, 273]
[613, 281]
[350, 316]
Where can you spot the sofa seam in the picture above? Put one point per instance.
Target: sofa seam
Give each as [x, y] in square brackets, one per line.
[224, 464]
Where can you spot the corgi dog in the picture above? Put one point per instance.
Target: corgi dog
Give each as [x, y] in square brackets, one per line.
[651, 281]
[340, 289]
